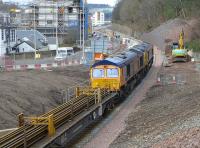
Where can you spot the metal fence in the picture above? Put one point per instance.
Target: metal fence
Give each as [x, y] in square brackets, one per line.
[167, 79]
[70, 92]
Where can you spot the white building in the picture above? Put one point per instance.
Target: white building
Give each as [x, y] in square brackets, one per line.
[25, 46]
[7, 39]
[98, 18]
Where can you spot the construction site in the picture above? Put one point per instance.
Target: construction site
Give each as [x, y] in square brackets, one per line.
[49, 17]
[144, 94]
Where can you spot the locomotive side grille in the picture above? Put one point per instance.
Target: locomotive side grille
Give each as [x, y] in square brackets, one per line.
[111, 84]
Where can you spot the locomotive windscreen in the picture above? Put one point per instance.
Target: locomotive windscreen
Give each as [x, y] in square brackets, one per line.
[98, 73]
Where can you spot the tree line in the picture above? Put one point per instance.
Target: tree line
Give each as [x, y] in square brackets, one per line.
[143, 15]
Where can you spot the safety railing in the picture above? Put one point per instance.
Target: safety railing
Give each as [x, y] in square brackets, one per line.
[39, 127]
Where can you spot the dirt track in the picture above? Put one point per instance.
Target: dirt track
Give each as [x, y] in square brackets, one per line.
[27, 91]
[169, 115]
[167, 110]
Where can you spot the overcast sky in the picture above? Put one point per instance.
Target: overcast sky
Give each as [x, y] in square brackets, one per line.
[110, 2]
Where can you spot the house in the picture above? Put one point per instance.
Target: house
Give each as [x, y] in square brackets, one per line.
[28, 39]
[34, 36]
[25, 46]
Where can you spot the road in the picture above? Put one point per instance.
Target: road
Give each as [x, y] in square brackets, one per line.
[76, 56]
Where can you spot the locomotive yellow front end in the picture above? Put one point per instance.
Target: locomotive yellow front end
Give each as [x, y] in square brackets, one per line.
[105, 76]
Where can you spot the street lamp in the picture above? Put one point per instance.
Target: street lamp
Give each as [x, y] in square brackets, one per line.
[83, 46]
[34, 30]
[57, 26]
[80, 31]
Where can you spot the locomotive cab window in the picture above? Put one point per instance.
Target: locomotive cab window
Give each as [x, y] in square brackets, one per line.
[112, 73]
[141, 61]
[98, 73]
[128, 70]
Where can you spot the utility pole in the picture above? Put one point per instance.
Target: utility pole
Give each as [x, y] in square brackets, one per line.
[80, 27]
[83, 31]
[94, 50]
[103, 45]
[1, 45]
[7, 34]
[35, 31]
[57, 26]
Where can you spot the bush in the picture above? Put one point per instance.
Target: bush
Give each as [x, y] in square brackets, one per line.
[194, 45]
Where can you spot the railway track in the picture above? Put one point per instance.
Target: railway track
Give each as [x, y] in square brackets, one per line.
[29, 134]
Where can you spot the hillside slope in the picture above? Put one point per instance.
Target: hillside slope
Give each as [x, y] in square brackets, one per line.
[144, 15]
[170, 31]
[35, 92]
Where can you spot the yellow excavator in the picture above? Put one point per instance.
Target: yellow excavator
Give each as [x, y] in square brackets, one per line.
[179, 53]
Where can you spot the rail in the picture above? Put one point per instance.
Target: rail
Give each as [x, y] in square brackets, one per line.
[27, 135]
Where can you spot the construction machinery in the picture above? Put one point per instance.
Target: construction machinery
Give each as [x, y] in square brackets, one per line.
[179, 53]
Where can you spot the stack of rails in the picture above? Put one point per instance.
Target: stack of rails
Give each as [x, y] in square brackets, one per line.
[62, 114]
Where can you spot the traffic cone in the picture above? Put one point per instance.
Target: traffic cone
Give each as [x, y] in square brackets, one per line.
[174, 80]
[158, 80]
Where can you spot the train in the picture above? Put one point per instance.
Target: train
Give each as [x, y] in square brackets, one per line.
[122, 71]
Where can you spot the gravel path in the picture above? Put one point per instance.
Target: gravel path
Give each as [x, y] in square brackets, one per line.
[169, 115]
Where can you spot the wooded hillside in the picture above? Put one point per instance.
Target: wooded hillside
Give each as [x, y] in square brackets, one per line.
[143, 15]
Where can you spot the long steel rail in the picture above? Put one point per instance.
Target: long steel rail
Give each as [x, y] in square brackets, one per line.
[62, 114]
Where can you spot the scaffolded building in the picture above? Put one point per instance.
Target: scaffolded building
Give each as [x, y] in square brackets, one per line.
[51, 17]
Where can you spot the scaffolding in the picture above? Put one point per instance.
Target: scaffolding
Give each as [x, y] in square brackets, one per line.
[51, 15]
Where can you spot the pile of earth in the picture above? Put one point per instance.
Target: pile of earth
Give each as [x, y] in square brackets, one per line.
[35, 92]
[169, 32]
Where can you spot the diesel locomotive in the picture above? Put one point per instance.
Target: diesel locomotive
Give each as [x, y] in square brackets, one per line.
[120, 72]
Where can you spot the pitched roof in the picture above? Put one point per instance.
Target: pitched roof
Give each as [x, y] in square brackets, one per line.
[41, 40]
[30, 43]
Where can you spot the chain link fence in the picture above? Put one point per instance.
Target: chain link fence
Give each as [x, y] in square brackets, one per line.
[167, 79]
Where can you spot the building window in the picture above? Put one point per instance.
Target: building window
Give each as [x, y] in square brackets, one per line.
[128, 70]
[2, 34]
[49, 22]
[70, 9]
[12, 35]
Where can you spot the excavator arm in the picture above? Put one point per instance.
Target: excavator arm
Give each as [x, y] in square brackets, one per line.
[181, 40]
